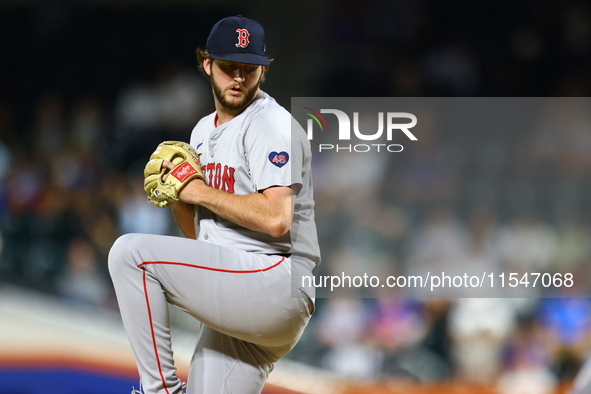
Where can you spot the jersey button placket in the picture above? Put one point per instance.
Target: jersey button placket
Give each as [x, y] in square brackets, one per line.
[213, 142]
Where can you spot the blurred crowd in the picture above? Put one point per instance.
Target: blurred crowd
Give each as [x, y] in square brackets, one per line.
[72, 181]
[536, 342]
[513, 200]
[71, 161]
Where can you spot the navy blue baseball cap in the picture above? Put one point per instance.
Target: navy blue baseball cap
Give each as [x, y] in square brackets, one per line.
[238, 39]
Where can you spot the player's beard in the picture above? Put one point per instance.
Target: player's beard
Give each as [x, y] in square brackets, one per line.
[248, 97]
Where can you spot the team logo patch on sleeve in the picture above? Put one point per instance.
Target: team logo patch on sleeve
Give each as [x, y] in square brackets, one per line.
[279, 159]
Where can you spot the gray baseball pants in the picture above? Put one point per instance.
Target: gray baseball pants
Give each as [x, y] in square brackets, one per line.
[244, 301]
[582, 382]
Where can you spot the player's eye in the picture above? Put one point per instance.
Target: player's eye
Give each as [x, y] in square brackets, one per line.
[226, 66]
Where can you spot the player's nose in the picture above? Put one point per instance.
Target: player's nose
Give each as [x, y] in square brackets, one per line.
[240, 72]
[239, 75]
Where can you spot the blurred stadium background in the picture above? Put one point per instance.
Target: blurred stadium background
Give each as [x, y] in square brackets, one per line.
[88, 88]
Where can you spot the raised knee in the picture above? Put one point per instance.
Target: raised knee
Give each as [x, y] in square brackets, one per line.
[121, 252]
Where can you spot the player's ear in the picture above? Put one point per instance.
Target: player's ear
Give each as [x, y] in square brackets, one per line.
[264, 72]
[207, 62]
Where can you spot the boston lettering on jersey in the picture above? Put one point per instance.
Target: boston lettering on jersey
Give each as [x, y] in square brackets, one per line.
[219, 176]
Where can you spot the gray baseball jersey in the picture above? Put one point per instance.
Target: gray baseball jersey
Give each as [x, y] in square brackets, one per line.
[254, 151]
[236, 281]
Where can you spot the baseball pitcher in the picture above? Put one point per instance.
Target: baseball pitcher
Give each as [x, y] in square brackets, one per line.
[241, 192]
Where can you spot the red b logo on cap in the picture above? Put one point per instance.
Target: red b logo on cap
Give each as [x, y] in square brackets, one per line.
[243, 35]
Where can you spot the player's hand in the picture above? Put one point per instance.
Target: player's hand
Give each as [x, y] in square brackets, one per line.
[190, 192]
